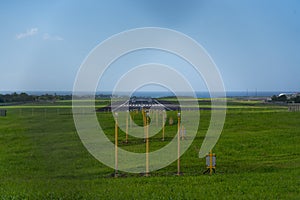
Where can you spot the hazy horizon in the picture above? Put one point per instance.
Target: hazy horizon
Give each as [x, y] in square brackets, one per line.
[161, 93]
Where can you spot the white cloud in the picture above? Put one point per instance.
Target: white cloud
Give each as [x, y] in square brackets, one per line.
[28, 33]
[34, 31]
[52, 37]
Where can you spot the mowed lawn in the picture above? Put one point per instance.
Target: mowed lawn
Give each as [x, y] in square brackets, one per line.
[258, 157]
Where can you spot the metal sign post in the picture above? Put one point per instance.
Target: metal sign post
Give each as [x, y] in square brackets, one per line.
[210, 163]
[3, 113]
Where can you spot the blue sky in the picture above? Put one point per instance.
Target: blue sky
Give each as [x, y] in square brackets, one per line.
[255, 44]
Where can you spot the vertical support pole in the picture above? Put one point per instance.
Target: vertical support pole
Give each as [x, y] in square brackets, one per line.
[163, 126]
[116, 144]
[147, 144]
[130, 120]
[178, 145]
[145, 123]
[210, 162]
[127, 126]
[156, 118]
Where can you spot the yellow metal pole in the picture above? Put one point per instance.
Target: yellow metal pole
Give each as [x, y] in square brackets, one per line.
[127, 127]
[163, 126]
[210, 162]
[116, 145]
[178, 146]
[182, 132]
[156, 118]
[147, 146]
[144, 123]
[130, 120]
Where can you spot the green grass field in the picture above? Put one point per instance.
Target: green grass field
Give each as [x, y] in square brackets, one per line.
[258, 157]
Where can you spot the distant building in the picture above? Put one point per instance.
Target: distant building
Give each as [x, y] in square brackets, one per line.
[288, 98]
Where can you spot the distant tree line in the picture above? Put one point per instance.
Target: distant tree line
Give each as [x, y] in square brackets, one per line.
[24, 97]
[287, 99]
[14, 97]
